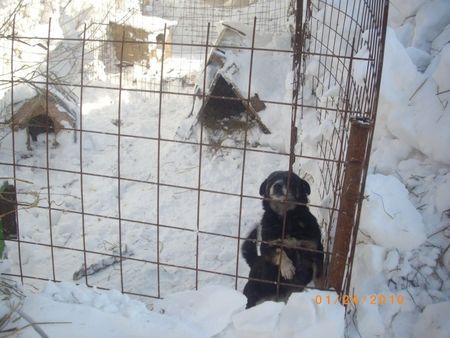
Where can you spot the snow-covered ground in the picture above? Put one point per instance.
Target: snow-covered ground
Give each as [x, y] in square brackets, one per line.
[402, 245]
[404, 233]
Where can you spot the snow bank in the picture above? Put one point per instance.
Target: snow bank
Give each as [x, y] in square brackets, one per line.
[423, 123]
[400, 77]
[412, 107]
[442, 196]
[388, 216]
[219, 310]
[400, 10]
[79, 311]
[107, 301]
[259, 321]
[431, 19]
[433, 322]
[302, 316]
[369, 263]
[72, 320]
[410, 142]
[211, 308]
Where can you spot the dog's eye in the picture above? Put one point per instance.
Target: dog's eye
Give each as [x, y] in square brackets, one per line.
[278, 187]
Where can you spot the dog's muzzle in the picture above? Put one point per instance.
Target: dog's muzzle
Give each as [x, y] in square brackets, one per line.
[282, 200]
[278, 190]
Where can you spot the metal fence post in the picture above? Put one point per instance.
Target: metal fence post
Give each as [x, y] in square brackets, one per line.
[350, 197]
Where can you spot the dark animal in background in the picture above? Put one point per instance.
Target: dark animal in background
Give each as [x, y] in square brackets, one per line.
[296, 257]
[39, 124]
[8, 209]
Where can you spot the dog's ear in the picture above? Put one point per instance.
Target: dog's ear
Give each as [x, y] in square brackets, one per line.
[302, 189]
[262, 188]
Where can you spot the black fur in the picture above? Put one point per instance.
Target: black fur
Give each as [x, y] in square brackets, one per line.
[301, 242]
[40, 124]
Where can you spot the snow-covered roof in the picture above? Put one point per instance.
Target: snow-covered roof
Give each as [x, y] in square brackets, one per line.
[233, 60]
[27, 100]
[236, 62]
[148, 23]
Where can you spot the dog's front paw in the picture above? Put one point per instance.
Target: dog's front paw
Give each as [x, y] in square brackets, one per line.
[287, 269]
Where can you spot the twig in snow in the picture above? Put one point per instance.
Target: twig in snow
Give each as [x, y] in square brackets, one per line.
[8, 23]
[442, 92]
[9, 292]
[446, 213]
[102, 264]
[354, 321]
[414, 301]
[417, 90]
[442, 229]
[33, 204]
[7, 318]
[12, 332]
[382, 203]
[440, 259]
[33, 324]
[17, 179]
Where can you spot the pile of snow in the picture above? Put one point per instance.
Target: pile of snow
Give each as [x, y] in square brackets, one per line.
[67, 310]
[403, 241]
[389, 218]
[77, 311]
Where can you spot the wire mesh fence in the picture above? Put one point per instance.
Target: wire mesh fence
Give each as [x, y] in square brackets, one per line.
[147, 131]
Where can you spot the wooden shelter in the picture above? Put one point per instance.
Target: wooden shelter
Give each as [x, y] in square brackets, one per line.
[226, 96]
[36, 107]
[43, 113]
[142, 42]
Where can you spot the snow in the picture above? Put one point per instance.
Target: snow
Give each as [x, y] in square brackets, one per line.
[210, 308]
[86, 313]
[431, 19]
[400, 10]
[404, 226]
[402, 246]
[302, 316]
[440, 66]
[258, 321]
[391, 220]
[65, 309]
[433, 322]
[400, 76]
[420, 58]
[370, 323]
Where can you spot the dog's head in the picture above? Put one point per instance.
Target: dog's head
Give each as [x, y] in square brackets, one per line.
[282, 197]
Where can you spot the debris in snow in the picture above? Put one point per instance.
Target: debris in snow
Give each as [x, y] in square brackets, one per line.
[102, 264]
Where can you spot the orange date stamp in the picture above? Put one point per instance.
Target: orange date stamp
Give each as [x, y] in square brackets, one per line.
[374, 299]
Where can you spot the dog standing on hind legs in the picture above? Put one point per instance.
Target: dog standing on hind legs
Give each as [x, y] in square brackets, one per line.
[295, 258]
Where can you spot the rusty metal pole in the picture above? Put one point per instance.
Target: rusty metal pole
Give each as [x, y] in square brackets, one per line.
[350, 198]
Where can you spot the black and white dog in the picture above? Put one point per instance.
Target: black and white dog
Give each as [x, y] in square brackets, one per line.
[295, 258]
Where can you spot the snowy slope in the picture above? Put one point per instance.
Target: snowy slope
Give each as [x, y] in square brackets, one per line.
[404, 233]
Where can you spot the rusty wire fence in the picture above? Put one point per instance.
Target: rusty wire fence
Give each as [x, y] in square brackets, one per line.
[134, 201]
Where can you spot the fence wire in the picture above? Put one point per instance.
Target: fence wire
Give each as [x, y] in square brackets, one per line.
[170, 242]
